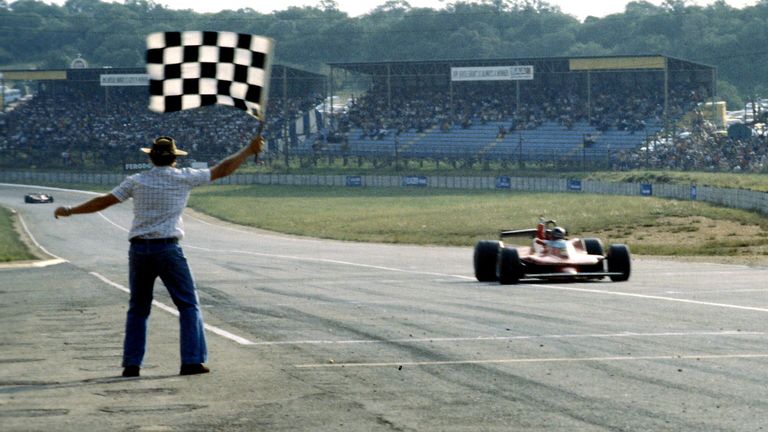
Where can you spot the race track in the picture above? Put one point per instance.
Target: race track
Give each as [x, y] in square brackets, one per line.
[309, 334]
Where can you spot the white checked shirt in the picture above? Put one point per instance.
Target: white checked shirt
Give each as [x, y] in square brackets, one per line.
[159, 197]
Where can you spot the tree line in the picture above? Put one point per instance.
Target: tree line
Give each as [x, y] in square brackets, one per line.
[40, 35]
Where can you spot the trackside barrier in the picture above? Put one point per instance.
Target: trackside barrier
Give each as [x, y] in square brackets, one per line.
[734, 198]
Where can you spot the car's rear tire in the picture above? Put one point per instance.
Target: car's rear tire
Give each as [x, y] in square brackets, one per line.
[619, 261]
[594, 246]
[486, 253]
[509, 269]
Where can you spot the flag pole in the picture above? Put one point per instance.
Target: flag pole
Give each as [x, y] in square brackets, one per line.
[264, 97]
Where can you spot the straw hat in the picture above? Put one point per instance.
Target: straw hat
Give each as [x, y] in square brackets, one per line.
[163, 146]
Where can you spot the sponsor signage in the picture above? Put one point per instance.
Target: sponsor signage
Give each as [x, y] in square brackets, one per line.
[354, 181]
[503, 182]
[574, 185]
[492, 73]
[137, 166]
[417, 181]
[122, 80]
[646, 189]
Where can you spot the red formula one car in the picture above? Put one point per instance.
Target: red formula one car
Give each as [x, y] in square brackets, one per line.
[550, 254]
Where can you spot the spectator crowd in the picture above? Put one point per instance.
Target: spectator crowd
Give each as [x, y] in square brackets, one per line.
[72, 127]
[702, 148]
[379, 112]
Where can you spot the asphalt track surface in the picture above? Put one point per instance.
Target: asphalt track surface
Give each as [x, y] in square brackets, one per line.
[308, 334]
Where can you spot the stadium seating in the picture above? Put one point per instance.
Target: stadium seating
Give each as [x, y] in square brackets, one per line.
[549, 142]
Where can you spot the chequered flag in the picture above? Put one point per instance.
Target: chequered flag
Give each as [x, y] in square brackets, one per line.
[196, 68]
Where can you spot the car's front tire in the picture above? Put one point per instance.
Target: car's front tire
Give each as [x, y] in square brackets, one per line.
[594, 246]
[619, 261]
[486, 253]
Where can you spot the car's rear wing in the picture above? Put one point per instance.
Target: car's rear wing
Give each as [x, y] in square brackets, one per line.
[530, 232]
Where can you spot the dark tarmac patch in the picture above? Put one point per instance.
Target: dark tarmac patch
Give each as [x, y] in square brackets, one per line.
[152, 409]
[99, 357]
[134, 392]
[16, 383]
[34, 412]
[20, 360]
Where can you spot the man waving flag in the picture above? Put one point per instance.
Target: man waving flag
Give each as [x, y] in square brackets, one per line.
[191, 69]
[186, 70]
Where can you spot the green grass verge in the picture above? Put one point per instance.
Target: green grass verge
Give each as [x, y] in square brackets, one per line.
[650, 226]
[11, 248]
[757, 182]
[461, 217]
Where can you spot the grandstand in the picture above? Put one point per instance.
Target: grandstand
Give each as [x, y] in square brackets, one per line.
[546, 111]
[97, 118]
[563, 110]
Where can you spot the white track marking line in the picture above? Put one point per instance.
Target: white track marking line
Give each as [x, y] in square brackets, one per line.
[549, 287]
[113, 223]
[731, 291]
[213, 329]
[535, 360]
[651, 297]
[262, 233]
[57, 259]
[328, 261]
[511, 338]
[48, 188]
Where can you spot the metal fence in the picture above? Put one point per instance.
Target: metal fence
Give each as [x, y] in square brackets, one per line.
[733, 198]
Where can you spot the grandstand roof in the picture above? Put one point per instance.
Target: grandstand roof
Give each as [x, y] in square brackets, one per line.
[285, 80]
[93, 74]
[542, 64]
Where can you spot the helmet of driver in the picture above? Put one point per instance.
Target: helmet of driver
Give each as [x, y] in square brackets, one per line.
[558, 233]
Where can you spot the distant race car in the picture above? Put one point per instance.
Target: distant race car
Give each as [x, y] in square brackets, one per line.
[37, 198]
[549, 255]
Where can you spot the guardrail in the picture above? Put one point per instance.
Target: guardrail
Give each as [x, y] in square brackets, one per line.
[734, 198]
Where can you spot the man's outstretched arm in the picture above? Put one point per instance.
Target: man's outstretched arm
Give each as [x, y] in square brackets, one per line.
[91, 206]
[233, 162]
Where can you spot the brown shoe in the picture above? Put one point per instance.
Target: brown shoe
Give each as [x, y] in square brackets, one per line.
[131, 371]
[193, 369]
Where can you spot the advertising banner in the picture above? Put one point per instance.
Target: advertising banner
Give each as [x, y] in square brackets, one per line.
[354, 181]
[120, 80]
[503, 182]
[492, 73]
[418, 181]
[574, 185]
[646, 189]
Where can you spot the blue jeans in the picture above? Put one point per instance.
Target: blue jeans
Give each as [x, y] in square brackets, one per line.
[147, 262]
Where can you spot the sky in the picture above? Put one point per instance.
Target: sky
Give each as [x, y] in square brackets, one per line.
[578, 8]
